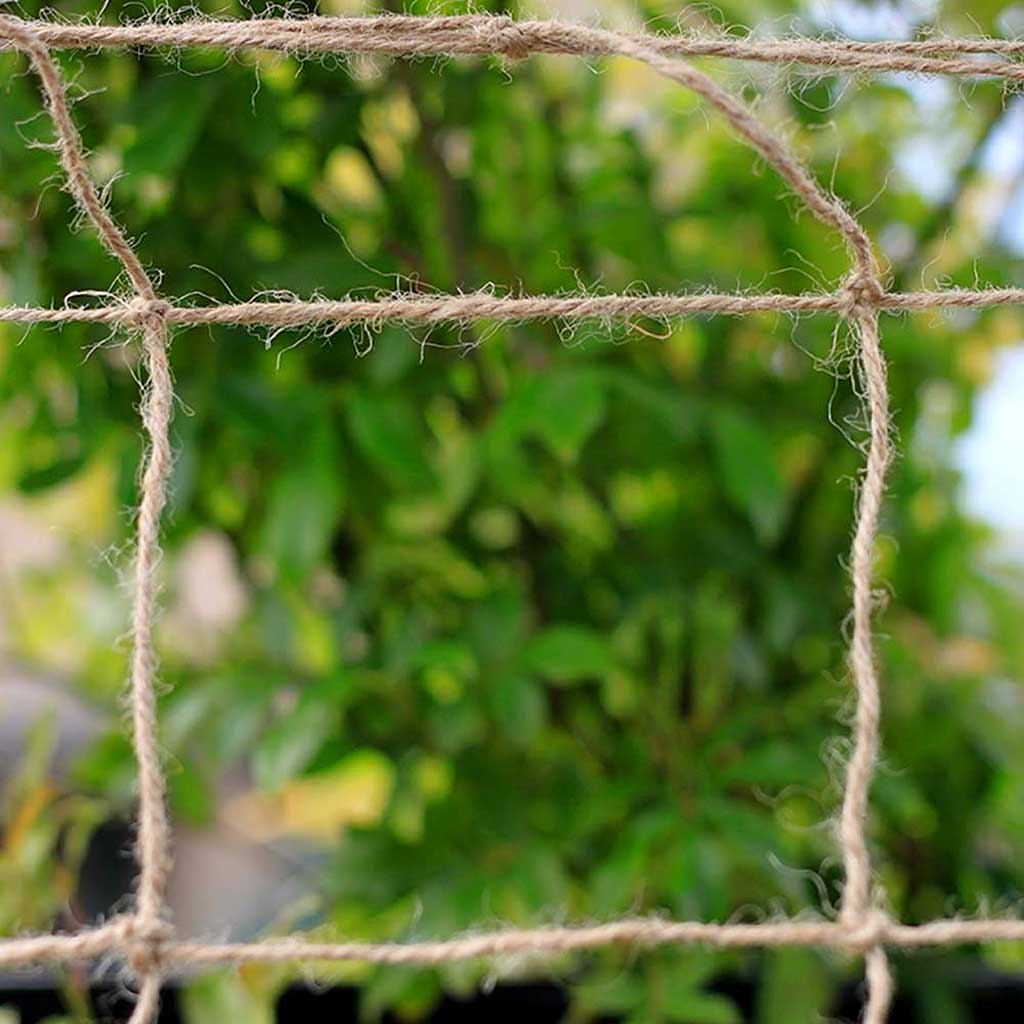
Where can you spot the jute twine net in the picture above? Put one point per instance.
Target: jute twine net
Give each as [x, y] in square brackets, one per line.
[144, 938]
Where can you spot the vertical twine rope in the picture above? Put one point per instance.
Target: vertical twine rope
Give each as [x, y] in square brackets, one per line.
[865, 292]
[857, 900]
[146, 928]
[144, 933]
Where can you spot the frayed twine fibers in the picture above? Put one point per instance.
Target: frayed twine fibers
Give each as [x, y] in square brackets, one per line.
[144, 939]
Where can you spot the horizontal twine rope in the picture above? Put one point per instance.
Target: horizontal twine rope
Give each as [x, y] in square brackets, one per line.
[460, 308]
[406, 35]
[114, 938]
[143, 938]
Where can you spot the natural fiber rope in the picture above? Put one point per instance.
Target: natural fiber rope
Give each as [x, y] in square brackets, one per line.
[402, 35]
[646, 933]
[154, 841]
[143, 939]
[436, 309]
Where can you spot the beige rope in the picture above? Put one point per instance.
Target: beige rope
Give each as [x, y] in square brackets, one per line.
[154, 842]
[857, 905]
[645, 933]
[435, 309]
[143, 939]
[401, 35]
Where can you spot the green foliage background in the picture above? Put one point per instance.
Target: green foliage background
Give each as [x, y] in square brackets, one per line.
[564, 610]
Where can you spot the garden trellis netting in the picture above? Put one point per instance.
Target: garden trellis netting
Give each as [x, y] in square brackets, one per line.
[144, 939]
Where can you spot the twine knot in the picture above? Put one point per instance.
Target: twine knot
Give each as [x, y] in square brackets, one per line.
[508, 35]
[862, 290]
[143, 944]
[151, 312]
[868, 931]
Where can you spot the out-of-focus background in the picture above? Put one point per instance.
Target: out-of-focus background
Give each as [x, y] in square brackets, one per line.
[539, 624]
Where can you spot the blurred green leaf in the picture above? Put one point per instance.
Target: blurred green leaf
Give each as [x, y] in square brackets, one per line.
[169, 111]
[290, 744]
[385, 431]
[569, 406]
[748, 471]
[519, 707]
[702, 1008]
[247, 998]
[569, 654]
[305, 502]
[795, 986]
[52, 475]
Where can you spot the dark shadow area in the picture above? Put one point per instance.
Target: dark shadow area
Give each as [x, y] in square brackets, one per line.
[108, 871]
[990, 998]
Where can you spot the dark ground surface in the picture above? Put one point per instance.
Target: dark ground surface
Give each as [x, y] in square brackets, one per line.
[992, 998]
